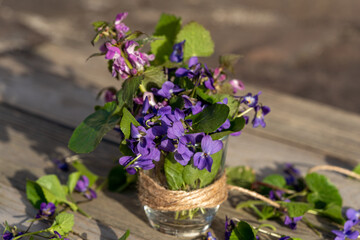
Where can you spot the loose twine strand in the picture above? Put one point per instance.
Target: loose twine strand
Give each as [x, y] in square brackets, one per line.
[159, 198]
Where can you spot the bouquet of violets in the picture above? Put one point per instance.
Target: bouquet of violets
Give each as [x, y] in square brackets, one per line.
[174, 113]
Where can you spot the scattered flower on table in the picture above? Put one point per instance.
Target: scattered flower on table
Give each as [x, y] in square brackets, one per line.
[292, 222]
[229, 227]
[346, 233]
[210, 236]
[82, 186]
[353, 216]
[46, 210]
[58, 236]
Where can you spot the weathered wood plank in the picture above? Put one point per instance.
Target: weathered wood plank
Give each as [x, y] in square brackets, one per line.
[25, 153]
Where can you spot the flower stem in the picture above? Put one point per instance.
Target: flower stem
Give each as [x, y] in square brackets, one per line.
[245, 112]
[311, 226]
[29, 234]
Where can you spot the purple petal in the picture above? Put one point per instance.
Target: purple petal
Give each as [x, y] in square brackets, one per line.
[181, 72]
[125, 160]
[176, 131]
[352, 214]
[353, 235]
[193, 61]
[209, 162]
[199, 160]
[167, 145]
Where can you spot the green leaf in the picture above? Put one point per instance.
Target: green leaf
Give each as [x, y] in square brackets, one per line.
[296, 209]
[52, 183]
[268, 212]
[63, 223]
[173, 172]
[125, 123]
[89, 133]
[34, 194]
[210, 119]
[322, 190]
[176, 102]
[85, 171]
[236, 125]
[242, 231]
[162, 49]
[205, 96]
[229, 60]
[357, 169]
[72, 180]
[131, 86]
[275, 180]
[99, 24]
[333, 212]
[242, 176]
[201, 178]
[168, 26]
[198, 41]
[153, 77]
[125, 236]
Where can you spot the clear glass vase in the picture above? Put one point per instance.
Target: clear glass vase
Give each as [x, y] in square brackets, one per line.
[186, 223]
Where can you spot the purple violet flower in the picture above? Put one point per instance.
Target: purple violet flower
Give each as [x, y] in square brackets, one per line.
[178, 52]
[237, 85]
[276, 195]
[285, 238]
[346, 233]
[167, 89]
[58, 236]
[260, 112]
[61, 164]
[191, 103]
[144, 160]
[218, 75]
[251, 100]
[292, 175]
[224, 126]
[82, 186]
[292, 222]
[229, 226]
[353, 216]
[203, 159]
[210, 236]
[46, 210]
[176, 130]
[193, 71]
[9, 235]
[120, 27]
[209, 80]
[109, 96]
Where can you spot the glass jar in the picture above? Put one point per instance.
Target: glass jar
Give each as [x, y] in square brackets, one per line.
[185, 223]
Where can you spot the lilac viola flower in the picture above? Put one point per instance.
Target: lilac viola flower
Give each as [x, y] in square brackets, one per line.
[82, 186]
[178, 52]
[276, 195]
[210, 236]
[109, 96]
[236, 85]
[208, 78]
[120, 27]
[203, 159]
[167, 89]
[229, 227]
[58, 236]
[285, 238]
[353, 216]
[194, 70]
[46, 210]
[9, 235]
[144, 160]
[251, 100]
[143, 137]
[113, 52]
[346, 233]
[61, 164]
[260, 113]
[292, 222]
[193, 104]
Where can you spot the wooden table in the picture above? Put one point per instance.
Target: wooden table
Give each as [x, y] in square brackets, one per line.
[41, 106]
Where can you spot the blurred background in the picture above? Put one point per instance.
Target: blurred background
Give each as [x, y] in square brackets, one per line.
[309, 49]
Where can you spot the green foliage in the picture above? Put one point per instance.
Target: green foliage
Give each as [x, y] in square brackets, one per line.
[210, 119]
[178, 176]
[241, 176]
[89, 133]
[166, 30]
[275, 180]
[54, 191]
[333, 212]
[236, 125]
[125, 236]
[85, 171]
[72, 180]
[198, 41]
[296, 209]
[34, 194]
[357, 169]
[153, 77]
[63, 223]
[176, 102]
[323, 192]
[99, 24]
[118, 179]
[126, 121]
[242, 231]
[132, 86]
